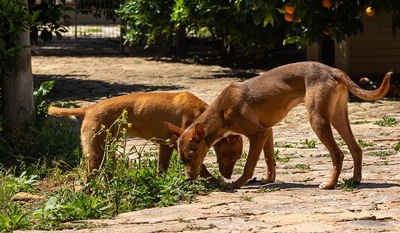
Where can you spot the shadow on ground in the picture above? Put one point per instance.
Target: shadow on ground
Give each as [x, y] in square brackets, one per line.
[257, 185]
[79, 87]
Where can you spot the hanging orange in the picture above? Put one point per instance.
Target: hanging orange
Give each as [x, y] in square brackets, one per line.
[328, 31]
[289, 8]
[289, 17]
[370, 12]
[327, 3]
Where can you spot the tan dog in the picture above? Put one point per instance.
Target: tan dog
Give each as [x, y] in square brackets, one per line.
[252, 107]
[147, 113]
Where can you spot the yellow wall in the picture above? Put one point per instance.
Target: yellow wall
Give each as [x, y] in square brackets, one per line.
[371, 53]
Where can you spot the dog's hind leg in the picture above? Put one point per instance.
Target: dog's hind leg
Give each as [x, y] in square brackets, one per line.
[320, 109]
[93, 149]
[269, 156]
[341, 123]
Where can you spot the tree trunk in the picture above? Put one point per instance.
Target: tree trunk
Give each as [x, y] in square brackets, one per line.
[181, 42]
[328, 51]
[17, 91]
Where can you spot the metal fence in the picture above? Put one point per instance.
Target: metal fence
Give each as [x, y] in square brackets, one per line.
[93, 29]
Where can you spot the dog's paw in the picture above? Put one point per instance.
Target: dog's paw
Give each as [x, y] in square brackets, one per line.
[325, 185]
[226, 185]
[267, 181]
[322, 185]
[218, 183]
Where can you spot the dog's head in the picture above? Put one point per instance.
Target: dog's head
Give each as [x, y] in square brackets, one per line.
[192, 149]
[228, 151]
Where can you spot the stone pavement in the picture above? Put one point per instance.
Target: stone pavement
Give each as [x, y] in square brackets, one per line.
[294, 203]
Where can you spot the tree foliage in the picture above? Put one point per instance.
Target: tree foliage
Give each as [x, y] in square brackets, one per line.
[51, 18]
[251, 26]
[338, 19]
[147, 21]
[14, 18]
[99, 8]
[237, 27]
[43, 19]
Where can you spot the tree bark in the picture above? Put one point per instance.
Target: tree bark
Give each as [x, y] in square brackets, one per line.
[328, 51]
[17, 91]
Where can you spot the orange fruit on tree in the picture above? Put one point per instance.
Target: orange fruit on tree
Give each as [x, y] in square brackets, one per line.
[288, 17]
[328, 31]
[327, 3]
[289, 8]
[370, 12]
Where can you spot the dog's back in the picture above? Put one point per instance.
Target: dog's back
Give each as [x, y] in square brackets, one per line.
[147, 112]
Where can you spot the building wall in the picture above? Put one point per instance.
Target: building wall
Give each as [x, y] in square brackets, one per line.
[376, 50]
[371, 53]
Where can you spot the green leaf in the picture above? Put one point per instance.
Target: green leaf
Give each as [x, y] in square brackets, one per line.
[51, 203]
[35, 15]
[10, 6]
[291, 40]
[269, 19]
[258, 16]
[44, 88]
[2, 44]
[280, 10]
[58, 35]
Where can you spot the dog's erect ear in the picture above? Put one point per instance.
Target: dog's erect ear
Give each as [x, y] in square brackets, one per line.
[177, 131]
[198, 132]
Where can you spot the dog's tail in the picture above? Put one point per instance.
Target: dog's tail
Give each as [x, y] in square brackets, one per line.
[368, 94]
[66, 112]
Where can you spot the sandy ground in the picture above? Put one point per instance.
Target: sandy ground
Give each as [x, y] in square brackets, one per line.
[294, 203]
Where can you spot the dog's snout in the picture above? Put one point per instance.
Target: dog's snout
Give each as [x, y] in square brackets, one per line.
[188, 176]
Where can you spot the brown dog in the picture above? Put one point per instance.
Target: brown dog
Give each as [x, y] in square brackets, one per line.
[147, 113]
[252, 107]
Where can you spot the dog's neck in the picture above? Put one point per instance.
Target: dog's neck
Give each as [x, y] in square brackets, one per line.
[214, 127]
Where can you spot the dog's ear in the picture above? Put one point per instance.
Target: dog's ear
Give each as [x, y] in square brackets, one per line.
[198, 132]
[175, 130]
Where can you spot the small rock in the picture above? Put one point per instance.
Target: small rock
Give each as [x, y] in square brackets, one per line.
[27, 197]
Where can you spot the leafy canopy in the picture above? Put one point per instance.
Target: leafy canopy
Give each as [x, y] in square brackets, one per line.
[251, 26]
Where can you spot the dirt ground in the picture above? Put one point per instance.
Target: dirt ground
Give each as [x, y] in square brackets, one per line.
[294, 203]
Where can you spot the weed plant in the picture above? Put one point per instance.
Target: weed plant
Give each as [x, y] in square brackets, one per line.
[300, 166]
[47, 143]
[348, 185]
[381, 153]
[387, 121]
[309, 144]
[364, 144]
[267, 189]
[396, 147]
[280, 159]
[128, 185]
[284, 144]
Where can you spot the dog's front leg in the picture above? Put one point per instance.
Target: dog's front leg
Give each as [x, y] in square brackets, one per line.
[269, 156]
[256, 145]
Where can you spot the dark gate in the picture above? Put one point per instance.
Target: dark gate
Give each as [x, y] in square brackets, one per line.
[93, 29]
